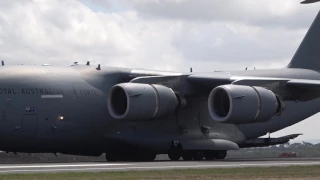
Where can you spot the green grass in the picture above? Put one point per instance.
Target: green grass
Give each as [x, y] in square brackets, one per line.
[292, 172]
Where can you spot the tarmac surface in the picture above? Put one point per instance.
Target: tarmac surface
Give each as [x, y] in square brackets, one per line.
[156, 165]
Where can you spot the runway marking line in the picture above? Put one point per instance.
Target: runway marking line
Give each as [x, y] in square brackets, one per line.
[159, 167]
[61, 165]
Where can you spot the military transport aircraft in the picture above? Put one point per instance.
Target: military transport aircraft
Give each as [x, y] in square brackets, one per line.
[135, 114]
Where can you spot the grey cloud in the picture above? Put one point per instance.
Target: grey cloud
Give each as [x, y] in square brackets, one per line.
[262, 12]
[59, 32]
[235, 43]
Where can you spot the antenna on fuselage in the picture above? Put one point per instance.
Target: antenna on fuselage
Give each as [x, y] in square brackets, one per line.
[191, 69]
[2, 62]
[99, 67]
[88, 63]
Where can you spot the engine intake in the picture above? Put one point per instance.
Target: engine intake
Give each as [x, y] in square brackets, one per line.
[239, 104]
[135, 101]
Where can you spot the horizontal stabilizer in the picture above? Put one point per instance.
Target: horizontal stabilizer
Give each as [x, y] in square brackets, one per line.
[262, 142]
[309, 1]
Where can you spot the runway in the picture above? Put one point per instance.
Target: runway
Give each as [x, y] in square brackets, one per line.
[156, 165]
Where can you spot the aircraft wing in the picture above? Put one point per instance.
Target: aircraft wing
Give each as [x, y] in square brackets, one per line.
[190, 84]
[210, 80]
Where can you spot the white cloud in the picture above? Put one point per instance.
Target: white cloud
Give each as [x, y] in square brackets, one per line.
[287, 13]
[122, 33]
[57, 31]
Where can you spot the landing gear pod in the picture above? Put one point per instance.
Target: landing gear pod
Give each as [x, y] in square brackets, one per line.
[135, 101]
[239, 104]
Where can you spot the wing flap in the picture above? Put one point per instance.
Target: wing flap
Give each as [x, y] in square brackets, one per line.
[213, 81]
[304, 83]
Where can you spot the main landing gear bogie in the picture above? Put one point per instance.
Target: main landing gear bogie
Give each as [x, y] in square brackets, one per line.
[220, 155]
[113, 156]
[175, 151]
[176, 154]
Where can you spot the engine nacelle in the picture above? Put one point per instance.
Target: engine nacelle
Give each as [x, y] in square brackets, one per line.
[135, 101]
[239, 104]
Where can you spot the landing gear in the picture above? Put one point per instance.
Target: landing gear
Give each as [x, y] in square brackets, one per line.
[175, 152]
[138, 156]
[198, 155]
[222, 154]
[111, 157]
[209, 155]
[192, 155]
[146, 157]
[187, 155]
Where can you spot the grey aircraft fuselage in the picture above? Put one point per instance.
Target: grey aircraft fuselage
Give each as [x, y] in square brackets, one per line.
[64, 109]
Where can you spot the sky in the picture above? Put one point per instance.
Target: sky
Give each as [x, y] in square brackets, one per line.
[171, 35]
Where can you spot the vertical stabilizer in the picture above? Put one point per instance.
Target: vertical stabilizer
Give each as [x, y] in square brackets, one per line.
[308, 53]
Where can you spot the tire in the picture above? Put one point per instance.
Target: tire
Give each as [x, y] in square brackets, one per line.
[187, 156]
[221, 154]
[175, 154]
[209, 155]
[198, 155]
[111, 157]
[147, 157]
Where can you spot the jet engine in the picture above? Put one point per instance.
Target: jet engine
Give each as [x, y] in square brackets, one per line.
[238, 104]
[135, 101]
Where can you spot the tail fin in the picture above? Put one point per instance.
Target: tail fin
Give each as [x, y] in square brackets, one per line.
[308, 53]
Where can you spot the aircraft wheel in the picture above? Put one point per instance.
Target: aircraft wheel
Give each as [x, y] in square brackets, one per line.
[175, 153]
[187, 156]
[209, 155]
[221, 154]
[111, 157]
[198, 155]
[146, 157]
[151, 157]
